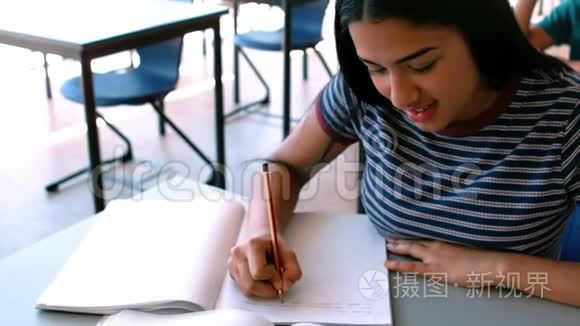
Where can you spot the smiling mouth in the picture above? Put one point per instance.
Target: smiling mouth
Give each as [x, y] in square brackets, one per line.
[422, 114]
[423, 108]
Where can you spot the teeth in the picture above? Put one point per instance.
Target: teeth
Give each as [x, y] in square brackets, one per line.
[422, 109]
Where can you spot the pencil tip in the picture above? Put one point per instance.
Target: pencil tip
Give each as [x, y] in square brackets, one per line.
[265, 167]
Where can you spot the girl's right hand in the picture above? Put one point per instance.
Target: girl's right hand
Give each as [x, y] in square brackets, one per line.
[251, 266]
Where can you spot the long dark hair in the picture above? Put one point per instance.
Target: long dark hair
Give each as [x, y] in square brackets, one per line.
[499, 48]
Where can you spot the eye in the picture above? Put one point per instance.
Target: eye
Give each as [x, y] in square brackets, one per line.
[376, 69]
[423, 68]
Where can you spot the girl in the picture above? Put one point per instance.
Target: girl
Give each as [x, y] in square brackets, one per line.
[471, 139]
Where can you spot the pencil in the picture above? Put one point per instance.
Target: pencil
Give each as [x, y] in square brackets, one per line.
[273, 228]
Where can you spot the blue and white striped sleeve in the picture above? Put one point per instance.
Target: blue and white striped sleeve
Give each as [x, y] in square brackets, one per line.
[571, 156]
[335, 108]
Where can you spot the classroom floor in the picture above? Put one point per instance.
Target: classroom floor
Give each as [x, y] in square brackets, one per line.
[43, 140]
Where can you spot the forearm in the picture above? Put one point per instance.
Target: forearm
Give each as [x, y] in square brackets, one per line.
[562, 279]
[307, 149]
[523, 12]
[574, 64]
[285, 187]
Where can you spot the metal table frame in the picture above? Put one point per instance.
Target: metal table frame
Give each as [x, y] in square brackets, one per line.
[86, 52]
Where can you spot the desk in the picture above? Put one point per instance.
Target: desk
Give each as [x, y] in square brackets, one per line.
[24, 275]
[86, 29]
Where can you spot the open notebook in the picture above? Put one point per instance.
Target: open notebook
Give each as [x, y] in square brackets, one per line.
[171, 256]
[222, 317]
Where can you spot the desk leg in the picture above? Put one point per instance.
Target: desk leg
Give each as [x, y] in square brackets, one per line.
[286, 46]
[92, 136]
[47, 78]
[219, 174]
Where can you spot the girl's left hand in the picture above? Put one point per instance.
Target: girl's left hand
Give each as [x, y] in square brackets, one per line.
[456, 262]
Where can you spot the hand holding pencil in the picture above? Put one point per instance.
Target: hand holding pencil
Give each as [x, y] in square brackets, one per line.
[262, 265]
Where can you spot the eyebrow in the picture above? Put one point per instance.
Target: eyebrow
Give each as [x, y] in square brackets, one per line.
[409, 57]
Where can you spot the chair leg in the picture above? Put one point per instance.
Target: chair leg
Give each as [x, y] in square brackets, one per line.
[263, 100]
[161, 106]
[236, 75]
[305, 65]
[203, 40]
[128, 155]
[203, 44]
[235, 5]
[125, 157]
[324, 63]
[157, 106]
[47, 78]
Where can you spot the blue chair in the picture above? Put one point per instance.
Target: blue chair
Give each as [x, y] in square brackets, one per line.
[571, 239]
[154, 78]
[132, 64]
[306, 32]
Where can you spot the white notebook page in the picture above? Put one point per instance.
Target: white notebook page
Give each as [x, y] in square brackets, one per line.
[344, 279]
[147, 253]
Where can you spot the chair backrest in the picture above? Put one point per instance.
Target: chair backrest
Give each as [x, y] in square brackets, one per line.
[571, 239]
[309, 16]
[162, 59]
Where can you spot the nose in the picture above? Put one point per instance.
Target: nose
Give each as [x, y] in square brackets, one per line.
[402, 91]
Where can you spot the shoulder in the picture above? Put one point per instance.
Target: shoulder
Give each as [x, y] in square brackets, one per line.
[551, 86]
[548, 99]
[338, 91]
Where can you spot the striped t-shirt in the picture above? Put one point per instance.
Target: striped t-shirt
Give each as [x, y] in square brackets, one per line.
[507, 182]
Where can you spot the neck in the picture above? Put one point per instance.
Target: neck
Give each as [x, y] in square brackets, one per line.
[483, 99]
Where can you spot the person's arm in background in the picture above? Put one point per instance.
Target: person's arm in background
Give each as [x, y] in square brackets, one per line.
[554, 29]
[537, 36]
[574, 64]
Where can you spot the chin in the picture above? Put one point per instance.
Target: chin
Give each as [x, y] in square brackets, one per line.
[438, 123]
[429, 127]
